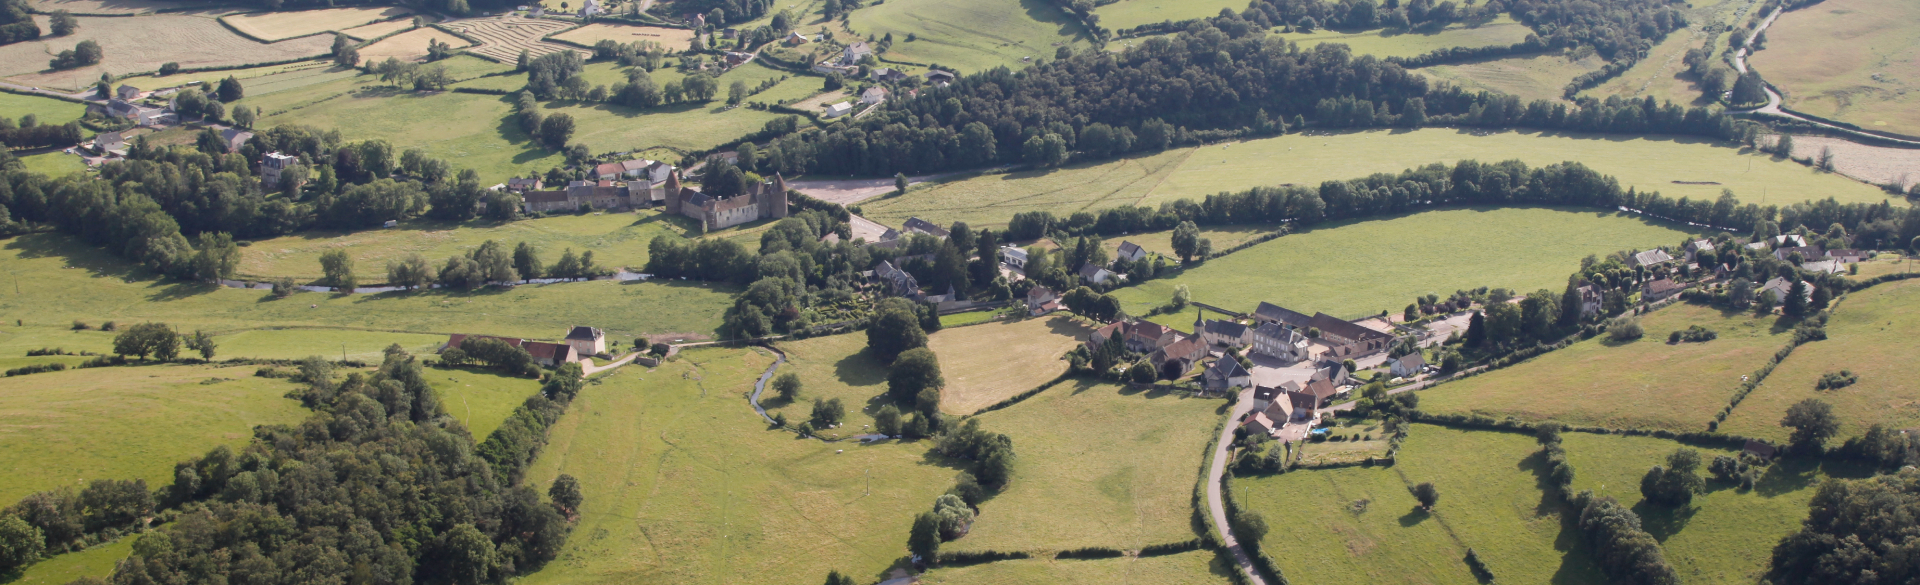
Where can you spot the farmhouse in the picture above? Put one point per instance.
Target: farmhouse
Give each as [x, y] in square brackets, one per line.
[1259, 423]
[1407, 366]
[1222, 333]
[1347, 340]
[1225, 374]
[1662, 288]
[1041, 300]
[127, 92]
[587, 340]
[1272, 339]
[1176, 359]
[233, 138]
[546, 201]
[1650, 258]
[126, 110]
[874, 95]
[1130, 252]
[916, 225]
[1095, 274]
[1776, 290]
[1013, 257]
[854, 54]
[1322, 392]
[1271, 313]
[523, 185]
[765, 200]
[551, 354]
[109, 143]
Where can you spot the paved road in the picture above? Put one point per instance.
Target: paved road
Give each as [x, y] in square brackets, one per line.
[1221, 450]
[1773, 98]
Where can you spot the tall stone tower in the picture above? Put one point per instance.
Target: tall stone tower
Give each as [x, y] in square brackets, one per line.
[673, 192]
[773, 201]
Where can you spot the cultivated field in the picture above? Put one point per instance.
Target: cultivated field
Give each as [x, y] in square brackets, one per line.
[1308, 159]
[63, 569]
[834, 366]
[1359, 525]
[47, 110]
[503, 37]
[1871, 334]
[143, 43]
[970, 36]
[1132, 13]
[1727, 534]
[115, 7]
[685, 484]
[1501, 31]
[1535, 77]
[378, 29]
[61, 280]
[984, 364]
[616, 239]
[1435, 252]
[280, 26]
[64, 428]
[480, 398]
[673, 39]
[1190, 568]
[1640, 384]
[1123, 460]
[1857, 61]
[1879, 165]
[410, 46]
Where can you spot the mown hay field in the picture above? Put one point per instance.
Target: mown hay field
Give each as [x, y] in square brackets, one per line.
[61, 280]
[61, 429]
[616, 239]
[1647, 164]
[410, 45]
[1360, 525]
[1123, 460]
[110, 6]
[684, 483]
[1871, 334]
[990, 362]
[1354, 268]
[673, 39]
[378, 29]
[1856, 61]
[833, 367]
[1532, 77]
[970, 36]
[1500, 32]
[279, 26]
[1132, 13]
[141, 44]
[1646, 383]
[1189, 568]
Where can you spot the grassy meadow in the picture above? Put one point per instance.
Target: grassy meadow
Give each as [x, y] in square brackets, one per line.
[1531, 77]
[1161, 242]
[1433, 252]
[990, 362]
[1662, 73]
[63, 569]
[616, 239]
[480, 398]
[1359, 525]
[1189, 568]
[53, 163]
[970, 36]
[1123, 460]
[1857, 61]
[833, 366]
[1647, 164]
[1500, 31]
[1132, 13]
[1871, 333]
[685, 484]
[65, 428]
[282, 343]
[1646, 383]
[47, 110]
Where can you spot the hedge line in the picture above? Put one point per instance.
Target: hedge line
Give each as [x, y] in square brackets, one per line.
[1015, 399]
[1171, 548]
[1513, 425]
[964, 558]
[1090, 552]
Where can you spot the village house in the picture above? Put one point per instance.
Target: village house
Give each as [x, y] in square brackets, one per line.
[1130, 252]
[1847, 256]
[766, 200]
[1776, 290]
[1263, 396]
[1147, 336]
[855, 53]
[1096, 275]
[1788, 241]
[1013, 257]
[1407, 366]
[899, 282]
[1041, 300]
[838, 110]
[1272, 339]
[887, 75]
[1322, 392]
[873, 95]
[1661, 288]
[587, 340]
[1100, 336]
[127, 92]
[1225, 374]
[1258, 423]
[110, 143]
[271, 167]
[1695, 247]
[233, 138]
[1178, 357]
[915, 225]
[523, 185]
[1346, 340]
[1334, 373]
[1650, 258]
[1223, 333]
[1271, 313]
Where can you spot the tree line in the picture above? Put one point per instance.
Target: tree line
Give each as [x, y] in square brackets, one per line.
[30, 133]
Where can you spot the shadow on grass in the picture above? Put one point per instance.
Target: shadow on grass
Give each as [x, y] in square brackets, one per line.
[1414, 517]
[1664, 521]
[95, 261]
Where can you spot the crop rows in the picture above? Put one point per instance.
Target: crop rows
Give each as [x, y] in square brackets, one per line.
[502, 38]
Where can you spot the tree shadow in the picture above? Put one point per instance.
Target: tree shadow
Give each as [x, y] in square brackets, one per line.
[97, 262]
[181, 290]
[1787, 475]
[1664, 521]
[860, 369]
[1414, 517]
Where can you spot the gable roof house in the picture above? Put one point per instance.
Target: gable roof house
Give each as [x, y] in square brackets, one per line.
[1222, 333]
[916, 225]
[1264, 395]
[523, 185]
[1776, 290]
[545, 201]
[609, 171]
[1696, 246]
[587, 340]
[1271, 313]
[1828, 266]
[127, 92]
[854, 53]
[1258, 423]
[1806, 253]
[1130, 252]
[939, 78]
[1650, 258]
[795, 39]
[898, 281]
[1041, 300]
[1225, 374]
[1334, 373]
[1407, 366]
[551, 354]
[1178, 356]
[1013, 257]
[873, 95]
[1322, 392]
[887, 74]
[1847, 256]
[1100, 336]
[1095, 274]
[234, 138]
[590, 8]
[109, 143]
[1147, 336]
[838, 110]
[1789, 240]
[1347, 340]
[1662, 288]
[1272, 339]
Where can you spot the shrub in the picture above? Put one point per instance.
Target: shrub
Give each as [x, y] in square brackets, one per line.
[80, 325]
[1693, 333]
[1624, 329]
[1426, 494]
[1836, 380]
[35, 369]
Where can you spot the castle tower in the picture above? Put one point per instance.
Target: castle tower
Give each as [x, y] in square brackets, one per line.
[673, 192]
[774, 204]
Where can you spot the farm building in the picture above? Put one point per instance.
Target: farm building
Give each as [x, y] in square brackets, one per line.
[587, 340]
[838, 110]
[1225, 374]
[1650, 258]
[1271, 313]
[921, 226]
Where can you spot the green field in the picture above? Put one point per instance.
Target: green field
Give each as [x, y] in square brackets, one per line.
[1434, 252]
[990, 362]
[63, 569]
[834, 366]
[1122, 460]
[1490, 501]
[1533, 77]
[685, 484]
[65, 428]
[1500, 31]
[1871, 334]
[1132, 13]
[60, 280]
[53, 164]
[1640, 384]
[1856, 61]
[970, 36]
[1647, 164]
[480, 398]
[48, 110]
[1190, 568]
[1726, 535]
[1662, 74]
[616, 239]
[298, 343]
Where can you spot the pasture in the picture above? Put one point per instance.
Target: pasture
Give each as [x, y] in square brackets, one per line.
[47, 110]
[673, 39]
[1360, 525]
[280, 26]
[141, 44]
[1856, 61]
[1532, 77]
[480, 398]
[61, 280]
[685, 484]
[616, 239]
[64, 569]
[281, 343]
[1161, 242]
[1188, 568]
[1647, 164]
[1726, 535]
[53, 164]
[1433, 252]
[1871, 333]
[833, 366]
[987, 363]
[1123, 460]
[410, 45]
[970, 36]
[258, 81]
[1662, 74]
[65, 428]
[1646, 383]
[1131, 13]
[1500, 31]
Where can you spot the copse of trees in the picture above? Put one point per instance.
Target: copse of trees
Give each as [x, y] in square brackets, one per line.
[1623, 549]
[16, 22]
[1853, 533]
[30, 133]
[82, 54]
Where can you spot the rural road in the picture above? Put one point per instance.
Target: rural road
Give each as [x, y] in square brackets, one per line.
[42, 91]
[1221, 449]
[1773, 97]
[587, 368]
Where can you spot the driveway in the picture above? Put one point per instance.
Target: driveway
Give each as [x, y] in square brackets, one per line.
[1221, 449]
[1439, 331]
[587, 368]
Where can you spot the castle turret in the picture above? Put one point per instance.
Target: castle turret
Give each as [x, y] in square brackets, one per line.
[673, 192]
[773, 202]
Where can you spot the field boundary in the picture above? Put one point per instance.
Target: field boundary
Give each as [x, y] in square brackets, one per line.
[1018, 398]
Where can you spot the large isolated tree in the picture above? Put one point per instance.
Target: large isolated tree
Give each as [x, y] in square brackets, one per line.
[916, 371]
[1812, 421]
